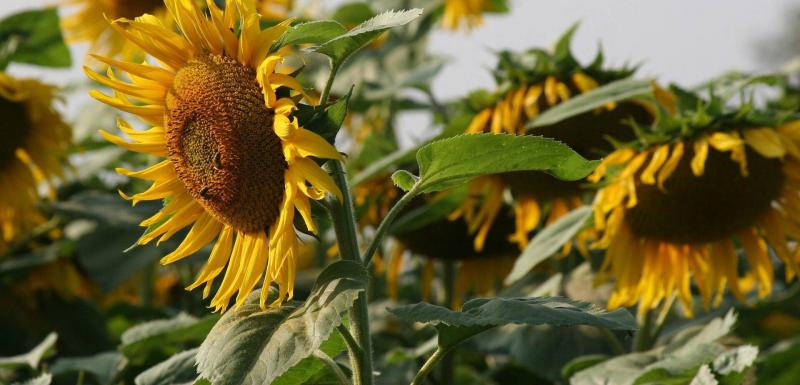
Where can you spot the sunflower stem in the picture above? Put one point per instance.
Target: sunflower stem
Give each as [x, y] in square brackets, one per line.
[430, 364]
[344, 224]
[383, 228]
[326, 92]
[448, 362]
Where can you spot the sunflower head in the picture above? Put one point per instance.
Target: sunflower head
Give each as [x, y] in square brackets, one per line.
[33, 150]
[236, 164]
[675, 202]
[464, 13]
[529, 83]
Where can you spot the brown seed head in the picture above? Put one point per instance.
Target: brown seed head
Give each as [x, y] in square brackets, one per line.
[222, 144]
[130, 9]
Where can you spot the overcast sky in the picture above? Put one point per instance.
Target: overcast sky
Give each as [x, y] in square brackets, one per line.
[684, 41]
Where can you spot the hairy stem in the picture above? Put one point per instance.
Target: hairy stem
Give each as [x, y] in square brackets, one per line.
[333, 366]
[342, 215]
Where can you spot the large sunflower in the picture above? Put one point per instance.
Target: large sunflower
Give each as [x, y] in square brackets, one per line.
[525, 91]
[33, 144]
[237, 164]
[674, 211]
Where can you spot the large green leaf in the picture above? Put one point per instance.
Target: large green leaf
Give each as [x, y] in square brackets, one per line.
[548, 241]
[168, 336]
[679, 361]
[253, 346]
[610, 93]
[33, 37]
[178, 369]
[341, 47]
[32, 358]
[453, 161]
[104, 366]
[481, 314]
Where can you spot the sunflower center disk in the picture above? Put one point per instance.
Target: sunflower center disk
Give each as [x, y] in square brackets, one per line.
[221, 142]
[14, 128]
[130, 9]
[710, 207]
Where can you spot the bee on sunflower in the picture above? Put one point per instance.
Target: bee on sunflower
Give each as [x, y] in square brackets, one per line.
[236, 164]
[676, 202]
[33, 150]
[528, 84]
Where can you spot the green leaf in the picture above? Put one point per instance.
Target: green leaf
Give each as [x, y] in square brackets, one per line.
[33, 37]
[610, 93]
[404, 179]
[450, 162]
[313, 32]
[548, 241]
[308, 367]
[104, 366]
[478, 315]
[178, 369]
[169, 335]
[581, 363]
[44, 379]
[341, 47]
[252, 346]
[32, 358]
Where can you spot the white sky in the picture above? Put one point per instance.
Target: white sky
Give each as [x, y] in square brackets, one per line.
[685, 41]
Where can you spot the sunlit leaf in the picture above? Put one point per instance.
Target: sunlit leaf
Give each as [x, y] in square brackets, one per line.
[178, 369]
[33, 37]
[168, 335]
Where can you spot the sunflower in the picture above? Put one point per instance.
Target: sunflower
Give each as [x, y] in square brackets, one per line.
[673, 212]
[538, 197]
[33, 145]
[466, 12]
[89, 23]
[237, 164]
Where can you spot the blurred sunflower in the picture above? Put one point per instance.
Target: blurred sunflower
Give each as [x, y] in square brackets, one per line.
[424, 230]
[468, 13]
[33, 145]
[673, 211]
[237, 163]
[90, 24]
[530, 83]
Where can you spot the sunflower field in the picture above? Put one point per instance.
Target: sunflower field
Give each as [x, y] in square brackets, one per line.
[276, 192]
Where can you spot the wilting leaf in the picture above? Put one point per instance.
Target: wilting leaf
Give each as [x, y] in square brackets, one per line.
[32, 358]
[450, 162]
[252, 346]
[481, 314]
[548, 241]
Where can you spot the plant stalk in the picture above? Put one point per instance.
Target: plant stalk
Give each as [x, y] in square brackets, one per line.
[448, 361]
[429, 365]
[342, 215]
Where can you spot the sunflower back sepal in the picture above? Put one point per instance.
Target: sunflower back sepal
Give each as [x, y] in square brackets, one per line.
[325, 122]
[253, 345]
[481, 314]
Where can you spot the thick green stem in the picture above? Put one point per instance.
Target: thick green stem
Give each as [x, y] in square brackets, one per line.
[642, 340]
[429, 365]
[342, 215]
[326, 92]
[383, 228]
